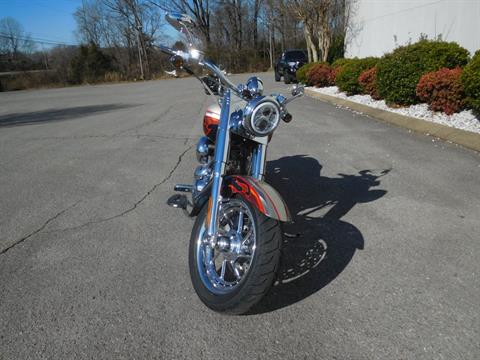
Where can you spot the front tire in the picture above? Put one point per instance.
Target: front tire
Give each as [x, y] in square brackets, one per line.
[287, 78]
[237, 294]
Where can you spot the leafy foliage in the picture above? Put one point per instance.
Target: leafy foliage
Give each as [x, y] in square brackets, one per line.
[340, 62]
[321, 75]
[471, 82]
[337, 48]
[442, 90]
[398, 73]
[368, 82]
[347, 77]
[302, 73]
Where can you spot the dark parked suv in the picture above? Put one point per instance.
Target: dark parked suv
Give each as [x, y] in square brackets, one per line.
[288, 64]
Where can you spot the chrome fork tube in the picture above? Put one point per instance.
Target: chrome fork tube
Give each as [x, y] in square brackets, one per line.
[221, 153]
[259, 157]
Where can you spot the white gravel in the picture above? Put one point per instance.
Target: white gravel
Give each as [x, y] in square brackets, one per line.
[464, 120]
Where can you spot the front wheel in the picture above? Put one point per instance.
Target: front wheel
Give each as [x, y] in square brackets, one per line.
[235, 273]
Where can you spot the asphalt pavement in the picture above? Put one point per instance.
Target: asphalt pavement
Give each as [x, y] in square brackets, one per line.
[93, 264]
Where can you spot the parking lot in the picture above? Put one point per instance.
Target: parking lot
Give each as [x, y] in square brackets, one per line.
[93, 263]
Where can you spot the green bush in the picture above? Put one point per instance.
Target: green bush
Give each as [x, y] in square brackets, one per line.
[341, 62]
[302, 73]
[347, 77]
[471, 82]
[398, 73]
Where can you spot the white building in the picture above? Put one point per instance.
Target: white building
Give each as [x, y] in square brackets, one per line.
[379, 26]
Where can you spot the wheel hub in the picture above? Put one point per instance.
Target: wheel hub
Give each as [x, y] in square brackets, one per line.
[230, 246]
[223, 263]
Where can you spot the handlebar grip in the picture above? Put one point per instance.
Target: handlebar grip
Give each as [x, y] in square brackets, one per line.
[287, 117]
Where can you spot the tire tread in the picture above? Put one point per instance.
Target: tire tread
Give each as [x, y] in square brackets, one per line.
[259, 283]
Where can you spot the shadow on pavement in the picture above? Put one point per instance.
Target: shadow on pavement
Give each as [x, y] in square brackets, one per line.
[319, 245]
[51, 115]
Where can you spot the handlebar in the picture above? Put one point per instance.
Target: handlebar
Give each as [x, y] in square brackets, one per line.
[197, 58]
[210, 65]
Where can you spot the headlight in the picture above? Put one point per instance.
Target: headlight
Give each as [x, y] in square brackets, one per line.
[262, 116]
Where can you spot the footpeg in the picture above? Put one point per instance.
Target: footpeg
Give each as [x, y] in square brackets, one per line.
[178, 201]
[183, 188]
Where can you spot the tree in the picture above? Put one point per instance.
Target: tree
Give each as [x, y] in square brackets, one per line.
[256, 12]
[90, 64]
[304, 11]
[128, 28]
[13, 38]
[324, 30]
[324, 22]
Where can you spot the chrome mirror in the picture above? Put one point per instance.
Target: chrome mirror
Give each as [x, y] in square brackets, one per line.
[298, 90]
[184, 24]
[179, 21]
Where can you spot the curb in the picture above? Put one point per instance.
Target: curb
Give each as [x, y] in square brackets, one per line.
[468, 139]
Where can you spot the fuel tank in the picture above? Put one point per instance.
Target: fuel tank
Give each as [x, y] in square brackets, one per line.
[210, 121]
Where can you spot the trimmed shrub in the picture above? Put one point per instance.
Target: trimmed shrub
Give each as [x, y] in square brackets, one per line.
[302, 73]
[347, 77]
[471, 82]
[442, 90]
[398, 73]
[336, 71]
[321, 75]
[340, 62]
[337, 66]
[368, 82]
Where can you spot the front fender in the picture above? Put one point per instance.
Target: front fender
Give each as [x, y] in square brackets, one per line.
[259, 194]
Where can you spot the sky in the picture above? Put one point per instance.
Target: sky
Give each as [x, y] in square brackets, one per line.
[50, 21]
[44, 19]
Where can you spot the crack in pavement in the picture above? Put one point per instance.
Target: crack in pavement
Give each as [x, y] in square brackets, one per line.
[19, 241]
[137, 203]
[130, 209]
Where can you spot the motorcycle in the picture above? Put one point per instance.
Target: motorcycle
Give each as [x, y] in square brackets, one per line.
[235, 245]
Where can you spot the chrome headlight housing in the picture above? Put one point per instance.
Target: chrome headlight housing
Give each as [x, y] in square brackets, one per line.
[261, 116]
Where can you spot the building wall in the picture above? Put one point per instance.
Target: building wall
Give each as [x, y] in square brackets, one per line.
[381, 25]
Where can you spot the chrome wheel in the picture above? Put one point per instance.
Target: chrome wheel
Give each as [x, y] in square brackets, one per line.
[224, 265]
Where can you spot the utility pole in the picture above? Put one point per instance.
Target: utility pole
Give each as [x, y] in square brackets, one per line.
[140, 52]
